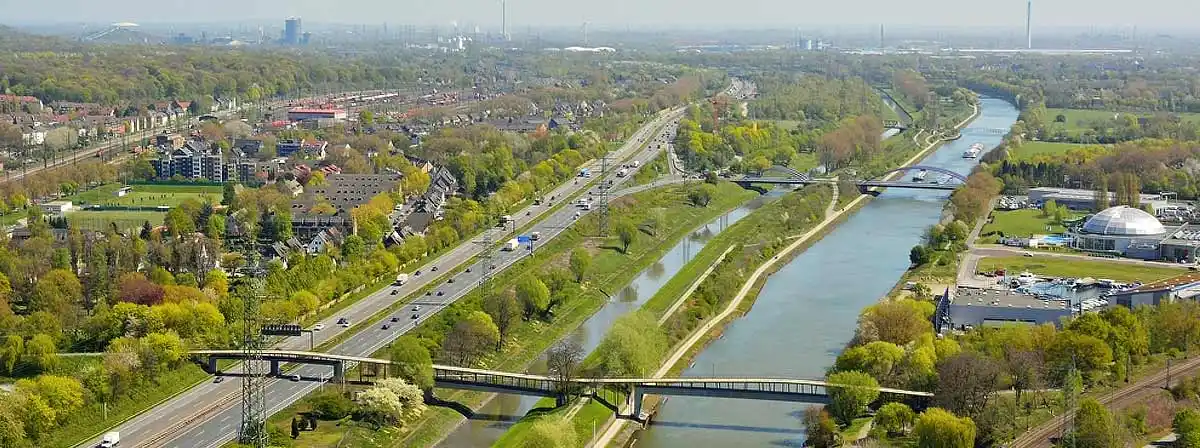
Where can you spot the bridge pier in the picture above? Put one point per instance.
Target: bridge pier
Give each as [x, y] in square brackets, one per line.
[275, 368]
[638, 396]
[339, 370]
[212, 365]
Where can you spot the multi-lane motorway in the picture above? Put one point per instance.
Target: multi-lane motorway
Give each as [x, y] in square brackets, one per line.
[209, 414]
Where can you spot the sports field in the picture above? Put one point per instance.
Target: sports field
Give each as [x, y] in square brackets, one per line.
[147, 195]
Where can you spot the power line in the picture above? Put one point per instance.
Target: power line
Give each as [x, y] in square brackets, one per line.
[254, 408]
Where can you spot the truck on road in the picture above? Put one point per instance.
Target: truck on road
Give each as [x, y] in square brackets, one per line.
[585, 172]
[401, 279]
[110, 440]
[622, 172]
[511, 245]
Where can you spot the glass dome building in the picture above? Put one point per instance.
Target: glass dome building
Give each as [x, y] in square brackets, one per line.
[1122, 230]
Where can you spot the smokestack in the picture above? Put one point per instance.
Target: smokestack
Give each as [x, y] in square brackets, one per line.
[1029, 25]
[504, 20]
[881, 36]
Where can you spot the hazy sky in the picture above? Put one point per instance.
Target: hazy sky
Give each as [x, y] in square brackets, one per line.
[1146, 14]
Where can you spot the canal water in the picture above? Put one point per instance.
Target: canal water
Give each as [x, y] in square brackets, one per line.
[505, 409]
[807, 311]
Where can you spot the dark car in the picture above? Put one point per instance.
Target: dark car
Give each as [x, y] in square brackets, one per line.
[416, 316]
[385, 327]
[434, 269]
[450, 280]
[468, 269]
[417, 273]
[429, 293]
[395, 319]
[441, 293]
[395, 291]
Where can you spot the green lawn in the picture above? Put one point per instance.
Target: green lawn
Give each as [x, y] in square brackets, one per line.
[147, 195]
[1031, 150]
[1080, 268]
[1024, 222]
[1081, 119]
[103, 219]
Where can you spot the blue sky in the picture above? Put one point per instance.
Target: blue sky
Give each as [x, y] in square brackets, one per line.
[1146, 14]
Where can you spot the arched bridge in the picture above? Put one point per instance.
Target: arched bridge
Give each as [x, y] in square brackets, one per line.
[919, 168]
[451, 377]
[894, 124]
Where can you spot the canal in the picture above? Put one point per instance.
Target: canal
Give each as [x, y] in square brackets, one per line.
[490, 422]
[808, 310]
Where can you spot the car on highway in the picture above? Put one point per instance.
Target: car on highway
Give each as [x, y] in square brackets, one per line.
[395, 291]
[344, 322]
[417, 273]
[318, 327]
[218, 379]
[450, 280]
[395, 319]
[441, 294]
[416, 316]
[429, 293]
[416, 308]
[434, 269]
[1027, 254]
[385, 327]
[294, 377]
[468, 269]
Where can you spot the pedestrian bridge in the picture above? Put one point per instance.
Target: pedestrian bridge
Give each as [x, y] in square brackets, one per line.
[951, 180]
[451, 377]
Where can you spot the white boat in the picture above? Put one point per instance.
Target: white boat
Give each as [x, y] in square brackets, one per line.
[920, 176]
[973, 151]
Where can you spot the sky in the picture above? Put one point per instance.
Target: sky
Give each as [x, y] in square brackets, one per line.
[1146, 14]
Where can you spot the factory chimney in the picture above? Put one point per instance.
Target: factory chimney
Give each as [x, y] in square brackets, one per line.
[1029, 25]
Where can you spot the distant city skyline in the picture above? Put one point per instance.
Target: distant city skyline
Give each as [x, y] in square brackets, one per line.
[1148, 14]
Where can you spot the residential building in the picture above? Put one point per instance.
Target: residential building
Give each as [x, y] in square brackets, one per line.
[196, 159]
[346, 191]
[308, 149]
[245, 147]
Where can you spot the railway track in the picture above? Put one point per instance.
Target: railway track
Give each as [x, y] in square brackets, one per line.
[1040, 436]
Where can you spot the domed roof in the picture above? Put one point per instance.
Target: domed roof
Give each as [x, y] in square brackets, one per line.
[1123, 220]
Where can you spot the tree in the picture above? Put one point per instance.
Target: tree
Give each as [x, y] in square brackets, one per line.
[633, 347]
[11, 352]
[58, 292]
[895, 418]
[133, 287]
[366, 117]
[229, 194]
[470, 338]
[353, 247]
[1094, 426]
[63, 394]
[379, 406]
[852, 391]
[563, 361]
[702, 194]
[412, 401]
[820, 429]
[876, 358]
[550, 432]
[534, 295]
[178, 222]
[966, 382]
[897, 321]
[626, 231]
[504, 310]
[331, 405]
[918, 255]
[938, 428]
[581, 260]
[41, 352]
[415, 364]
[12, 429]
[1187, 426]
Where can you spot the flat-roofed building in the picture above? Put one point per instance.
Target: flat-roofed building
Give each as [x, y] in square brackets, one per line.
[1186, 286]
[975, 307]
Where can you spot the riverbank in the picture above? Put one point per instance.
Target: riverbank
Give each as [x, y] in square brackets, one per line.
[611, 269]
[751, 287]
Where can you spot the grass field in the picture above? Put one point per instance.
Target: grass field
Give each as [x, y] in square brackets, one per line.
[1080, 268]
[1024, 222]
[1031, 150]
[103, 219]
[147, 195]
[1081, 119]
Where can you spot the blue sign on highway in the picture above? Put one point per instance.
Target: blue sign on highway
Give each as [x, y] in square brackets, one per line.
[524, 239]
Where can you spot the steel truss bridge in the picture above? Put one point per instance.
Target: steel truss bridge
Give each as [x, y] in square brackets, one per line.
[609, 391]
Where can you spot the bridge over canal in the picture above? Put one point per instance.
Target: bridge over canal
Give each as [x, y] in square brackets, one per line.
[605, 389]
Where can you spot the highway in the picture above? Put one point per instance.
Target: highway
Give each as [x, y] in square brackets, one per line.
[221, 426]
[209, 414]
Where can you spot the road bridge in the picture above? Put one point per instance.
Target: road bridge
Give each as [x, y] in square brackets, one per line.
[452, 377]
